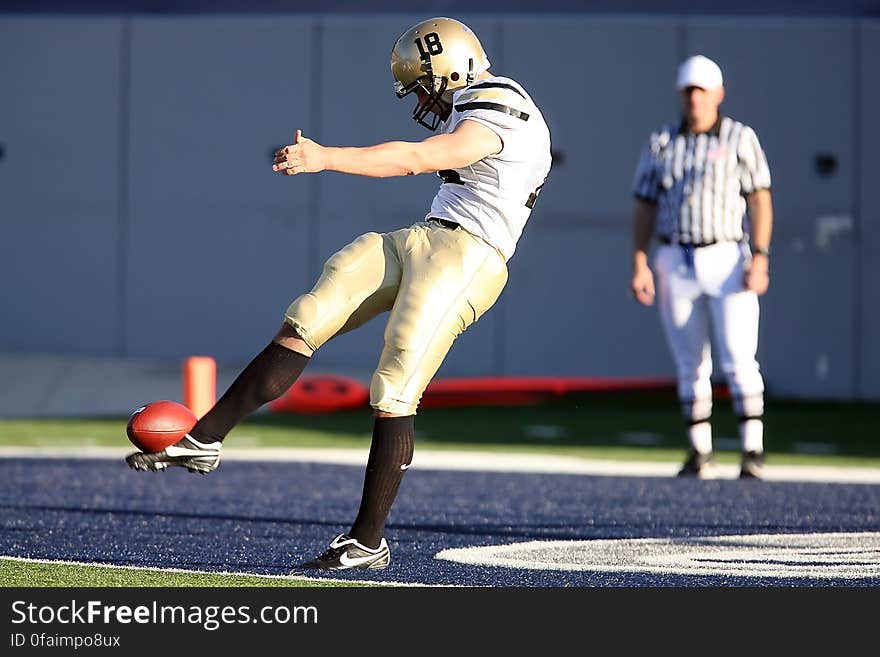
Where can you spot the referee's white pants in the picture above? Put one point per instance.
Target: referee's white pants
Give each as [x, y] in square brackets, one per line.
[703, 291]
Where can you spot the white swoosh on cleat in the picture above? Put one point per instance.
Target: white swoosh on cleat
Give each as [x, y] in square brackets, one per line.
[351, 562]
[183, 451]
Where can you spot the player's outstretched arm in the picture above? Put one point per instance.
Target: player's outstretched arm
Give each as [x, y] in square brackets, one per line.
[470, 142]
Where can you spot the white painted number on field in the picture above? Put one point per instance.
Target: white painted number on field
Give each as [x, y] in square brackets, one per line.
[837, 555]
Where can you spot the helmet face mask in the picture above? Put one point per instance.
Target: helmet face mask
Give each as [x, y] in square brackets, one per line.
[433, 103]
[436, 56]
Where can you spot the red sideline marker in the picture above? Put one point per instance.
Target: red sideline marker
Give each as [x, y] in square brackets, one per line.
[522, 390]
[328, 393]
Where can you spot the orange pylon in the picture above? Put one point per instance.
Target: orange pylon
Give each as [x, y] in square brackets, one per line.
[199, 384]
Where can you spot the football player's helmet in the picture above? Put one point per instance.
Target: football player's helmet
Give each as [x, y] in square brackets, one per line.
[438, 55]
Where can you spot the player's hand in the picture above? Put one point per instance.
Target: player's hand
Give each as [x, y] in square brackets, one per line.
[303, 156]
[643, 285]
[757, 276]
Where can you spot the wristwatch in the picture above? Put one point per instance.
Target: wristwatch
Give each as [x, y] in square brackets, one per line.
[763, 250]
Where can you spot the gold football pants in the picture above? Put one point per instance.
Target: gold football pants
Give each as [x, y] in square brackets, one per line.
[435, 281]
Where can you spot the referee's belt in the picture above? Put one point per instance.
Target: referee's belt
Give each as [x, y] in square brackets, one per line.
[451, 225]
[668, 240]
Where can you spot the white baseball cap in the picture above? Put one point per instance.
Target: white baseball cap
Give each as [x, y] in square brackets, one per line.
[699, 71]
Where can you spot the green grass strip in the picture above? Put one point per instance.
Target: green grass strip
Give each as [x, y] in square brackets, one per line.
[611, 426]
[17, 573]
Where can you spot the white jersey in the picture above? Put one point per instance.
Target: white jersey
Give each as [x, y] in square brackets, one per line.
[493, 197]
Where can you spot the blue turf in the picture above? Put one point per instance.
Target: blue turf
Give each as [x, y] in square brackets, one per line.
[265, 517]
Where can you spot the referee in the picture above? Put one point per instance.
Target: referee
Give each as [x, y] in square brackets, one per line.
[702, 186]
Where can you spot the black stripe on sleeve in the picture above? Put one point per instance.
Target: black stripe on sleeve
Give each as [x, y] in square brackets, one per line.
[492, 106]
[495, 85]
[450, 176]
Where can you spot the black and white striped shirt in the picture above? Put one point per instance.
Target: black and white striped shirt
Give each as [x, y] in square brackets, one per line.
[699, 181]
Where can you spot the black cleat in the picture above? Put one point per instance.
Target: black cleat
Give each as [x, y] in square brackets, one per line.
[346, 553]
[701, 466]
[752, 465]
[187, 453]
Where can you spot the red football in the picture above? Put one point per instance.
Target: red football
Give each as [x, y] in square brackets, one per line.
[157, 425]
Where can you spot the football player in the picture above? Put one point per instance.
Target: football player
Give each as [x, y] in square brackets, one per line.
[435, 277]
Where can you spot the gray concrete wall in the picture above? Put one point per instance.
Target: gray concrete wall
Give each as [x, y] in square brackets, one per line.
[60, 180]
[867, 277]
[793, 81]
[141, 219]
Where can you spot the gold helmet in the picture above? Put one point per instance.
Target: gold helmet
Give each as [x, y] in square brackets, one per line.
[439, 55]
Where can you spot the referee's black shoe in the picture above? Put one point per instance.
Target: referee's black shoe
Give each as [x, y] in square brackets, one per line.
[752, 466]
[699, 465]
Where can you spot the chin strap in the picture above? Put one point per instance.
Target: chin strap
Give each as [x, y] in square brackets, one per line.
[470, 75]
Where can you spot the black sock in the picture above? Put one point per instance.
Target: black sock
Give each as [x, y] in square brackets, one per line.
[267, 377]
[390, 455]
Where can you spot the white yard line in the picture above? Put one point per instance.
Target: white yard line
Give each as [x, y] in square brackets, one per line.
[480, 461]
